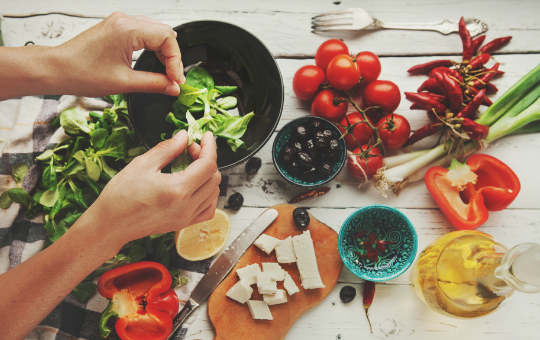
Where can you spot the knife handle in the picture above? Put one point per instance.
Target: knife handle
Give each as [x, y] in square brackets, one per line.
[182, 316]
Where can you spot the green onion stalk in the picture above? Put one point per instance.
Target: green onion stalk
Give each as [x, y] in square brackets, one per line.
[516, 111]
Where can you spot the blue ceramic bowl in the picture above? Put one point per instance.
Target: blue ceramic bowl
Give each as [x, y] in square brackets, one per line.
[282, 139]
[372, 223]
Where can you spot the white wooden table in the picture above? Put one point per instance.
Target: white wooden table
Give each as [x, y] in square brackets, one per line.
[283, 25]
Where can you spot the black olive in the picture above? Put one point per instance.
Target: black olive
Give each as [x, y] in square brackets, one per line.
[310, 174]
[297, 147]
[304, 161]
[287, 156]
[310, 148]
[301, 217]
[253, 165]
[300, 134]
[235, 201]
[320, 140]
[325, 169]
[328, 134]
[333, 149]
[293, 168]
[314, 127]
[347, 294]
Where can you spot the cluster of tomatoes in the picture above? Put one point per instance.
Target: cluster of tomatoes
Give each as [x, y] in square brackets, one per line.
[331, 84]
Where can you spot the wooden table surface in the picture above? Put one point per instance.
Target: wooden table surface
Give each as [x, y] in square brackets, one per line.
[283, 25]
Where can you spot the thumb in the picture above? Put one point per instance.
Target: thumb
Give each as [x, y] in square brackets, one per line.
[149, 82]
[165, 152]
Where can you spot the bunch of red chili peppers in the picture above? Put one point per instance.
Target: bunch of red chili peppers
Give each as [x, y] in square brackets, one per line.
[372, 247]
[454, 91]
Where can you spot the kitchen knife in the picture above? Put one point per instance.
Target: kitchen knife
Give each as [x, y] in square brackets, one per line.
[223, 265]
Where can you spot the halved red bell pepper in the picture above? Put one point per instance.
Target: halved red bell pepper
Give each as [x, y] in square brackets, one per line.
[466, 192]
[142, 300]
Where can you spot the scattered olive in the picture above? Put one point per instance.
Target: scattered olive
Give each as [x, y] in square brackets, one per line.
[300, 134]
[235, 201]
[294, 169]
[320, 140]
[297, 147]
[325, 169]
[301, 217]
[310, 148]
[314, 127]
[328, 134]
[333, 149]
[253, 165]
[347, 294]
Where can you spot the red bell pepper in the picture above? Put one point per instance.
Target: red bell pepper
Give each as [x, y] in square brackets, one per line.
[466, 192]
[142, 300]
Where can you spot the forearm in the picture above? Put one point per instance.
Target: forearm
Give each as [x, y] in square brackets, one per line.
[31, 290]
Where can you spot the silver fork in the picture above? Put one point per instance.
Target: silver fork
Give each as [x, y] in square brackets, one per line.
[354, 19]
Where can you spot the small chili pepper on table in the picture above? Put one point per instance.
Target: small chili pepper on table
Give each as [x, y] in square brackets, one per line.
[369, 294]
[309, 194]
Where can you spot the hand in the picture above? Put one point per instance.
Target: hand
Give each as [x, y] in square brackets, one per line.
[141, 201]
[99, 59]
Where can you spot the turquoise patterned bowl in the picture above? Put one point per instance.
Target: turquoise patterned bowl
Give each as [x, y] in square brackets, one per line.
[282, 139]
[377, 243]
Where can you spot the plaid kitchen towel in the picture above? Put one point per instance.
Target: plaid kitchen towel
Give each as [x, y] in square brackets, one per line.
[24, 134]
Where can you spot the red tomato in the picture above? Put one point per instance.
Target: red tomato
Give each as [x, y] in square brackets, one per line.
[306, 81]
[394, 136]
[357, 166]
[382, 93]
[342, 73]
[324, 106]
[328, 50]
[370, 65]
[361, 132]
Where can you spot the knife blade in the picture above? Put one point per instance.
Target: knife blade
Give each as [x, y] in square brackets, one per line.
[223, 265]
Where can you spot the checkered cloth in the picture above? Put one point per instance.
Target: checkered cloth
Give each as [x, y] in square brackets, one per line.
[24, 135]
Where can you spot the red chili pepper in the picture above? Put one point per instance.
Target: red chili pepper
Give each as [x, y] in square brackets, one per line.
[466, 40]
[495, 187]
[479, 61]
[477, 42]
[425, 68]
[481, 83]
[142, 300]
[427, 101]
[423, 132]
[451, 89]
[470, 110]
[360, 234]
[416, 106]
[369, 294]
[495, 44]
[485, 102]
[310, 194]
[499, 73]
[474, 130]
[450, 71]
[430, 85]
[491, 88]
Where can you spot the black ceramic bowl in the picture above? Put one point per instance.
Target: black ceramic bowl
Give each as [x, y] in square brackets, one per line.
[234, 57]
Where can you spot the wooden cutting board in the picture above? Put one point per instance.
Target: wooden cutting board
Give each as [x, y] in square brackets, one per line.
[232, 320]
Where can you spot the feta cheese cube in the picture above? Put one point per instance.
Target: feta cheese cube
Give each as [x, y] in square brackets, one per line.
[266, 283]
[259, 310]
[289, 285]
[266, 243]
[275, 299]
[248, 274]
[274, 269]
[306, 261]
[285, 251]
[240, 292]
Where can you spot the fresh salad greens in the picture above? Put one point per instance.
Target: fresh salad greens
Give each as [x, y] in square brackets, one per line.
[200, 96]
[75, 172]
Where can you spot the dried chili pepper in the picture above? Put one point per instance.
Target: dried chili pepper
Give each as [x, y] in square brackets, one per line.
[474, 91]
[310, 194]
[450, 71]
[451, 90]
[425, 68]
[495, 44]
[466, 40]
[479, 61]
[471, 108]
[477, 42]
[423, 132]
[474, 130]
[430, 85]
[427, 101]
[499, 73]
[369, 294]
[416, 106]
[491, 88]
[481, 83]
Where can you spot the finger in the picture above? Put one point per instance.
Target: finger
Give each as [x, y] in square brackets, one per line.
[207, 188]
[194, 150]
[206, 210]
[149, 82]
[145, 18]
[208, 147]
[164, 153]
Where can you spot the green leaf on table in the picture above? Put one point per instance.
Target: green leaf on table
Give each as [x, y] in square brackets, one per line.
[115, 145]
[54, 231]
[227, 103]
[189, 94]
[92, 169]
[98, 137]
[19, 195]
[72, 168]
[226, 90]
[119, 126]
[107, 169]
[45, 155]
[18, 171]
[200, 78]
[110, 117]
[48, 177]
[137, 252]
[80, 156]
[171, 118]
[181, 162]
[134, 152]
[49, 197]
[162, 253]
[84, 290]
[5, 201]
[73, 121]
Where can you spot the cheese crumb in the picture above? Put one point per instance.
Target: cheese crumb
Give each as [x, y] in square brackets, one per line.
[275, 299]
[307, 261]
[266, 283]
[285, 251]
[240, 292]
[259, 310]
[266, 243]
[274, 269]
[248, 274]
[289, 285]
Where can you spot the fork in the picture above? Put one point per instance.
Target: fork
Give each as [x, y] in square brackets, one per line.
[354, 19]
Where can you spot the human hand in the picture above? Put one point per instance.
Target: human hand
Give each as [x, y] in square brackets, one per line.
[141, 201]
[97, 62]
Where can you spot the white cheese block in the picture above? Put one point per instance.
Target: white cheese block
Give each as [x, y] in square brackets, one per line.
[240, 292]
[289, 285]
[275, 299]
[285, 251]
[266, 243]
[266, 283]
[306, 261]
[248, 274]
[259, 310]
[274, 269]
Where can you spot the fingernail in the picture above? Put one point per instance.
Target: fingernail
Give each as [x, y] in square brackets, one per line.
[180, 135]
[172, 90]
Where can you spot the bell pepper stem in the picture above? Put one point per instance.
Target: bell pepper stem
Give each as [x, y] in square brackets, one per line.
[104, 330]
